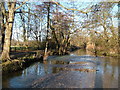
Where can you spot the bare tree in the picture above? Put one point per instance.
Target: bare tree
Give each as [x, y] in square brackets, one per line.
[8, 27]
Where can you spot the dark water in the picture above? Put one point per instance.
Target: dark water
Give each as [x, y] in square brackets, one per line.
[64, 72]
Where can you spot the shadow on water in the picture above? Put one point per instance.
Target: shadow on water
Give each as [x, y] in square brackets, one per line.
[107, 76]
[98, 78]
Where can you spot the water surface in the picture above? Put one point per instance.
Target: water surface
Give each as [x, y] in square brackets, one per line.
[66, 72]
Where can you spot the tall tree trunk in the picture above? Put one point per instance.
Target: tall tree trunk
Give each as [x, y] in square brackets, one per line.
[2, 27]
[24, 29]
[118, 31]
[8, 32]
[48, 25]
[54, 36]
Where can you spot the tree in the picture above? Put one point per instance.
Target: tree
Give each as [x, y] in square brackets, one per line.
[9, 16]
[61, 32]
[8, 31]
[46, 7]
[102, 31]
[2, 33]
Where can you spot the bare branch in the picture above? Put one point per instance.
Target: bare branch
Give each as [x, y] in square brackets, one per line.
[20, 5]
[28, 13]
[70, 8]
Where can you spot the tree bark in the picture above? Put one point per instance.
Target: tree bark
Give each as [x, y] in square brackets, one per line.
[48, 26]
[24, 29]
[2, 23]
[8, 32]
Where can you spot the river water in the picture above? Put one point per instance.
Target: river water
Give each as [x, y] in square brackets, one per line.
[80, 69]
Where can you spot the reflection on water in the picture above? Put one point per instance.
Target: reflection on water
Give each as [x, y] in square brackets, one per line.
[57, 69]
[105, 77]
[59, 62]
[110, 72]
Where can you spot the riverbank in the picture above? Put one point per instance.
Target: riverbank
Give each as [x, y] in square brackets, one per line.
[20, 60]
[103, 53]
[109, 55]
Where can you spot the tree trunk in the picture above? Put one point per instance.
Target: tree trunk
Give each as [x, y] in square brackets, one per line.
[8, 32]
[2, 27]
[24, 29]
[48, 26]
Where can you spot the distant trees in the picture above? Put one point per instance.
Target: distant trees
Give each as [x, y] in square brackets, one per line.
[101, 29]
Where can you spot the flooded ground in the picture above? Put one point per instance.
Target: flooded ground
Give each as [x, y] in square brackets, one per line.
[77, 70]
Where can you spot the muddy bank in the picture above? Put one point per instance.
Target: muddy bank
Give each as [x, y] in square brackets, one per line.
[11, 66]
[16, 65]
[20, 60]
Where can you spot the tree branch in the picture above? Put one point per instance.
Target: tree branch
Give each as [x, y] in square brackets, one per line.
[28, 13]
[69, 8]
[20, 5]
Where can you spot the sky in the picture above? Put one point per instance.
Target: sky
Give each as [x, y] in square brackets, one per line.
[82, 5]
[67, 0]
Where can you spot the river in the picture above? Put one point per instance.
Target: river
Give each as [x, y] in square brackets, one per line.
[69, 71]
